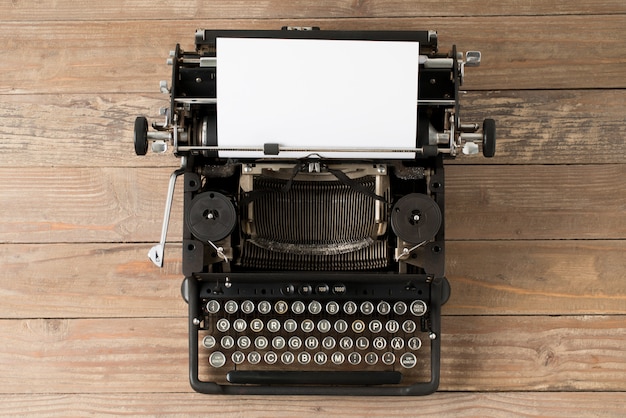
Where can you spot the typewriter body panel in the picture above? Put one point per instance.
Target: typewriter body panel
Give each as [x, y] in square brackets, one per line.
[309, 274]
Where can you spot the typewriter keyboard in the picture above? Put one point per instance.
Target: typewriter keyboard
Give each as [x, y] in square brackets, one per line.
[259, 334]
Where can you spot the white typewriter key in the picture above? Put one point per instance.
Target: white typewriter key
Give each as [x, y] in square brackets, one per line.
[338, 358]
[227, 342]
[358, 326]
[349, 307]
[208, 341]
[375, 326]
[367, 308]
[238, 357]
[392, 326]
[346, 343]
[270, 357]
[371, 358]
[324, 326]
[320, 358]
[244, 342]
[231, 307]
[409, 326]
[414, 343]
[399, 308]
[383, 308]
[254, 357]
[240, 325]
[298, 307]
[256, 325]
[332, 307]
[290, 325]
[247, 307]
[212, 306]
[379, 343]
[261, 342]
[362, 343]
[341, 326]
[217, 359]
[389, 358]
[311, 343]
[315, 307]
[307, 325]
[264, 307]
[304, 357]
[223, 325]
[287, 357]
[418, 307]
[273, 325]
[329, 343]
[295, 343]
[354, 358]
[397, 343]
[281, 307]
[408, 360]
[278, 343]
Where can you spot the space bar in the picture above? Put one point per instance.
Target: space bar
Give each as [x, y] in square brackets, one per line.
[265, 377]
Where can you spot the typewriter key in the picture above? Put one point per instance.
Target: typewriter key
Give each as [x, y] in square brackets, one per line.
[295, 343]
[320, 358]
[329, 343]
[414, 343]
[247, 307]
[354, 358]
[223, 325]
[270, 357]
[298, 307]
[332, 307]
[213, 306]
[244, 342]
[238, 357]
[383, 308]
[240, 325]
[278, 343]
[338, 358]
[408, 360]
[287, 357]
[371, 358]
[399, 308]
[208, 341]
[418, 307]
[261, 342]
[389, 358]
[375, 326]
[254, 357]
[227, 342]
[379, 343]
[311, 343]
[217, 359]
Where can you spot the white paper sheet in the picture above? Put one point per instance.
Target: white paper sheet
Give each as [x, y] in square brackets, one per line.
[317, 94]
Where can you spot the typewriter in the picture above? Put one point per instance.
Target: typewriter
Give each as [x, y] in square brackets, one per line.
[313, 240]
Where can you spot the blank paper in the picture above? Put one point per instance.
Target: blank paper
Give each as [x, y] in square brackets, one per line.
[317, 94]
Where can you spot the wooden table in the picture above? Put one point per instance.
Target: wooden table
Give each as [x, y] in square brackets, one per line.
[536, 236]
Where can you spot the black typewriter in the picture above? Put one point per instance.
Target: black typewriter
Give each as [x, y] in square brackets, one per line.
[314, 253]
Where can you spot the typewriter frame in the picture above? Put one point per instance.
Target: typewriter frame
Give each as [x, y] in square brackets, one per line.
[440, 77]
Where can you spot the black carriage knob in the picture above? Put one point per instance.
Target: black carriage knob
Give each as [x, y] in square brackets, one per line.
[141, 135]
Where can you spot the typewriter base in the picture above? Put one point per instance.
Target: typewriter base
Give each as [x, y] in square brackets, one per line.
[350, 380]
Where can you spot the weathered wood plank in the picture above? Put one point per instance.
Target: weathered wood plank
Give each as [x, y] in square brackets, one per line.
[535, 202]
[479, 353]
[534, 127]
[272, 9]
[128, 56]
[67, 204]
[487, 278]
[495, 405]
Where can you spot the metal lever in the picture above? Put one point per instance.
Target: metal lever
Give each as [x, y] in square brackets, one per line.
[156, 253]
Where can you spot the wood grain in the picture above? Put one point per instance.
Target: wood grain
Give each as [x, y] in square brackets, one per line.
[128, 56]
[223, 9]
[534, 127]
[487, 278]
[483, 353]
[495, 405]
